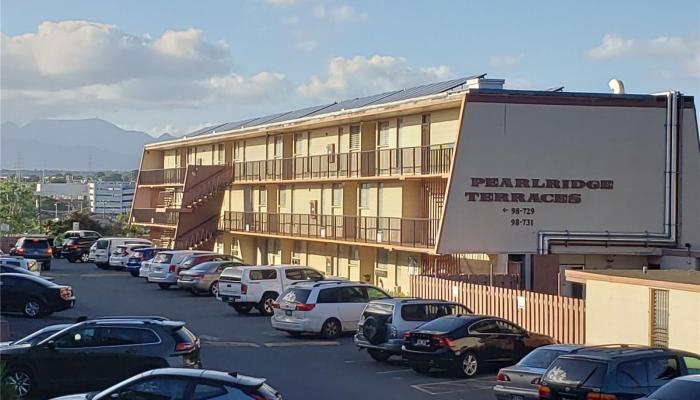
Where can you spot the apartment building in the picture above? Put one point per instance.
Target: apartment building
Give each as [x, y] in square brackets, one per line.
[455, 177]
[111, 197]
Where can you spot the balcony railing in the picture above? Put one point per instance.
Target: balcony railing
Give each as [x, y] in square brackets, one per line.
[409, 232]
[167, 176]
[424, 160]
[151, 216]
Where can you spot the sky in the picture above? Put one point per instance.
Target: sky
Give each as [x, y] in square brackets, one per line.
[175, 66]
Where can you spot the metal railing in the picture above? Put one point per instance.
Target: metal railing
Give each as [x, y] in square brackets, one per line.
[210, 186]
[151, 216]
[162, 176]
[411, 232]
[199, 234]
[423, 160]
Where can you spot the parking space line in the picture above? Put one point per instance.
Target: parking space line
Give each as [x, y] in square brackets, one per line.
[448, 387]
[300, 344]
[97, 275]
[230, 344]
[394, 371]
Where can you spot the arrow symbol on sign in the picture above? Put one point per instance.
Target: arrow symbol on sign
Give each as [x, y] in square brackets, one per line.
[505, 209]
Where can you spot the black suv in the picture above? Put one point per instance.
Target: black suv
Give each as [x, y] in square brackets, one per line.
[76, 245]
[620, 372]
[34, 247]
[95, 354]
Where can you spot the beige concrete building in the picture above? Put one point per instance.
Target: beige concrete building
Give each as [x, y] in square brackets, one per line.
[656, 308]
[456, 177]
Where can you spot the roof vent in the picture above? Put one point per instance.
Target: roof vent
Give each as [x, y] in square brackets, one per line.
[484, 83]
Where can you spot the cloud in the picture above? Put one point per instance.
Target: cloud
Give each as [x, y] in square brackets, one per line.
[342, 13]
[74, 66]
[283, 3]
[364, 75]
[307, 45]
[506, 61]
[613, 46]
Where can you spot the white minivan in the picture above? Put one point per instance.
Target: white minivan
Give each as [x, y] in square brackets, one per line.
[105, 246]
[246, 287]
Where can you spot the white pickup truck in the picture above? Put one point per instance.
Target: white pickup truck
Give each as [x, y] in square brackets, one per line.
[259, 286]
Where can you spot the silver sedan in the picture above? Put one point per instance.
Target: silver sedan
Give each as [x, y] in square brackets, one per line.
[204, 278]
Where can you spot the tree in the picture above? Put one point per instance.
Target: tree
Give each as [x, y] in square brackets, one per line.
[17, 207]
[55, 228]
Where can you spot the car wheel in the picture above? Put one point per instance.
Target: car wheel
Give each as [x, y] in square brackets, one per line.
[241, 308]
[134, 273]
[420, 367]
[20, 380]
[331, 329]
[379, 355]
[214, 288]
[84, 257]
[164, 286]
[467, 365]
[265, 305]
[32, 308]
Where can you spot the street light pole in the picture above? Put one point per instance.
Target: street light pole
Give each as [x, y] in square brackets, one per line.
[56, 212]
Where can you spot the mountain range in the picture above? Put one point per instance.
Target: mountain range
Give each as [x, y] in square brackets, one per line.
[84, 144]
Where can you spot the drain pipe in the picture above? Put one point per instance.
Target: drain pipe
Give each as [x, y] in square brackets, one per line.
[669, 234]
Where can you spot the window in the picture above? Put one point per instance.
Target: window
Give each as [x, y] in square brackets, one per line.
[191, 156]
[299, 144]
[364, 195]
[160, 388]
[488, 326]
[327, 296]
[354, 255]
[382, 263]
[508, 328]
[102, 244]
[35, 244]
[126, 336]
[294, 274]
[383, 134]
[693, 364]
[399, 132]
[276, 247]
[296, 295]
[352, 294]
[662, 370]
[237, 147]
[278, 146]
[221, 153]
[312, 274]
[204, 391]
[659, 318]
[337, 195]
[375, 294]
[262, 274]
[355, 138]
[632, 374]
[571, 372]
[540, 358]
[86, 337]
[262, 196]
[429, 312]
[446, 324]
[282, 200]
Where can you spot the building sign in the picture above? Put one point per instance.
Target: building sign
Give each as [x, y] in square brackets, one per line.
[523, 169]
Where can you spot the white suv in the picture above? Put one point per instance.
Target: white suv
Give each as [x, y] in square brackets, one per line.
[326, 307]
[258, 286]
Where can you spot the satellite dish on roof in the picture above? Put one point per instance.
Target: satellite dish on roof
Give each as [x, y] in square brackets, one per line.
[616, 86]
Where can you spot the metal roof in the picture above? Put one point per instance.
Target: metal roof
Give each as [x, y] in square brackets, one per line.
[375, 99]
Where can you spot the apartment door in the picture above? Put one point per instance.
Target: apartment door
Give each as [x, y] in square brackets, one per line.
[355, 150]
[368, 157]
[425, 143]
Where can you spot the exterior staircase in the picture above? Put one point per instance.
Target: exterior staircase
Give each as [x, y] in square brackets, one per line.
[201, 237]
[166, 238]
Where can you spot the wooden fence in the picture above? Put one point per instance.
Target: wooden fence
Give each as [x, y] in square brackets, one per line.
[562, 318]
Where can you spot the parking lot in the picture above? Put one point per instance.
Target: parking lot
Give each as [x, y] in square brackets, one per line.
[300, 368]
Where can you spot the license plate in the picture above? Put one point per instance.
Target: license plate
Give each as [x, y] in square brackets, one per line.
[421, 342]
[288, 312]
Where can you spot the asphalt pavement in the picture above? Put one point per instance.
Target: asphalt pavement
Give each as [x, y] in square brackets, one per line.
[300, 368]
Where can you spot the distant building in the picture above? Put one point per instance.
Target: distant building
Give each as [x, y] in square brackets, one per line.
[64, 191]
[110, 197]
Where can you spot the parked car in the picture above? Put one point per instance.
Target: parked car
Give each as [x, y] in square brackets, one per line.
[196, 259]
[185, 384]
[327, 307]
[621, 372]
[57, 245]
[12, 269]
[76, 245]
[684, 387]
[21, 262]
[91, 253]
[104, 351]
[33, 296]
[36, 337]
[166, 265]
[464, 344]
[384, 322]
[106, 246]
[259, 286]
[121, 254]
[139, 256]
[36, 248]
[204, 277]
[521, 381]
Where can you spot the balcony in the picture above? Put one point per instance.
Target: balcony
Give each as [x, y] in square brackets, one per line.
[149, 216]
[408, 161]
[167, 176]
[403, 232]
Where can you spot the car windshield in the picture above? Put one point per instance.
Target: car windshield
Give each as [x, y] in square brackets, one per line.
[71, 235]
[296, 295]
[207, 266]
[38, 336]
[540, 358]
[575, 372]
[102, 244]
[35, 244]
[162, 258]
[119, 249]
[444, 324]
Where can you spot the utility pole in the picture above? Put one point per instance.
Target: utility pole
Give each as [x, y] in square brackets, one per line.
[56, 208]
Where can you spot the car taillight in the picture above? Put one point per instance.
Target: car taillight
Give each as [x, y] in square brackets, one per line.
[600, 396]
[125, 253]
[275, 304]
[72, 246]
[535, 381]
[407, 336]
[172, 268]
[444, 342]
[20, 251]
[244, 289]
[544, 392]
[184, 346]
[501, 377]
[305, 307]
[66, 293]
[200, 276]
[50, 251]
